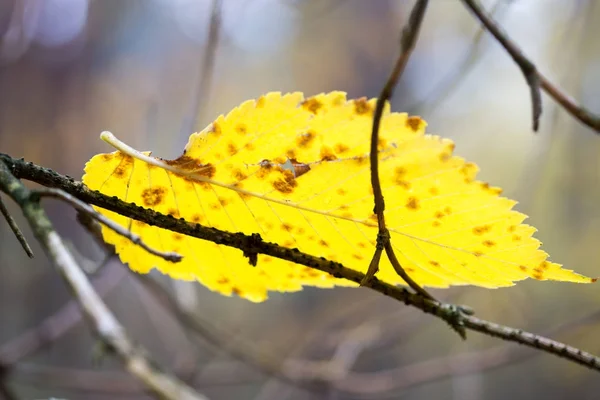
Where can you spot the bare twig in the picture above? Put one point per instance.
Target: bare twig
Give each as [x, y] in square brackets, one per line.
[15, 228]
[407, 44]
[202, 89]
[26, 170]
[103, 321]
[84, 208]
[534, 78]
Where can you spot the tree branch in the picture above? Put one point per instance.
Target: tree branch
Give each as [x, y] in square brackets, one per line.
[15, 229]
[44, 176]
[103, 321]
[90, 212]
[534, 78]
[407, 43]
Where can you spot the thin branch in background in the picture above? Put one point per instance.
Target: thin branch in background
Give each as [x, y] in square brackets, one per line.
[376, 385]
[104, 323]
[15, 229]
[84, 208]
[56, 325]
[408, 40]
[453, 79]
[219, 338]
[201, 90]
[534, 78]
[25, 170]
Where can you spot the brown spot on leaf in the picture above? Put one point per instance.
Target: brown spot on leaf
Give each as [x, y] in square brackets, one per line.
[238, 174]
[357, 256]
[341, 191]
[241, 129]
[480, 230]
[153, 196]
[231, 149]
[290, 153]
[311, 104]
[323, 243]
[222, 281]
[477, 253]
[439, 214]
[177, 236]
[173, 212]
[286, 227]
[434, 191]
[124, 166]
[341, 148]
[288, 243]
[304, 140]
[523, 268]
[436, 224]
[362, 245]
[260, 102]
[236, 291]
[327, 154]
[414, 123]
[286, 183]
[360, 160]
[412, 203]
[216, 128]
[434, 263]
[516, 238]
[192, 165]
[362, 106]
[489, 243]
[196, 218]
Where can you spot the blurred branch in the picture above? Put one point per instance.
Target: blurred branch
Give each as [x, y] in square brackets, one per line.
[15, 229]
[245, 352]
[202, 88]
[457, 74]
[55, 326]
[251, 244]
[375, 385]
[103, 321]
[534, 78]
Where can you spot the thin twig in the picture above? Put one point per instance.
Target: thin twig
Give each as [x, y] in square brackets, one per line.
[15, 228]
[534, 78]
[408, 40]
[44, 176]
[202, 89]
[103, 321]
[82, 207]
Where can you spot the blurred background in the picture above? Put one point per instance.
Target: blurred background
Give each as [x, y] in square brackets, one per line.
[153, 71]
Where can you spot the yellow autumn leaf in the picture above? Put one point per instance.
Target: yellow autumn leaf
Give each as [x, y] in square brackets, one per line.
[297, 172]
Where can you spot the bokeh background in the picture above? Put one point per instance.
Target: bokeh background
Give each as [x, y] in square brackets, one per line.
[153, 71]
